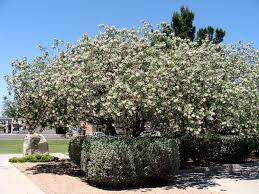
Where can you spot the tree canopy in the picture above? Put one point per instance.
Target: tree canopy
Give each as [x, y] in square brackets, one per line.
[122, 77]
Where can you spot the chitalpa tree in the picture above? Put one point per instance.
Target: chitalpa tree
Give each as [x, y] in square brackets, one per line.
[139, 77]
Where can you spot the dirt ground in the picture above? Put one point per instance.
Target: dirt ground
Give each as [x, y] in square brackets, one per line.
[65, 178]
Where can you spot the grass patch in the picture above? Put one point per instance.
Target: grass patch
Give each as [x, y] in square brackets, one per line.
[33, 158]
[11, 146]
[58, 146]
[15, 146]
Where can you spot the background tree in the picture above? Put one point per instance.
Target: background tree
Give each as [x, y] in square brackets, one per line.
[214, 35]
[9, 109]
[182, 26]
[182, 23]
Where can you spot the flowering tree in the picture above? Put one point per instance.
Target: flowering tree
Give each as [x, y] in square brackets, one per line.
[127, 77]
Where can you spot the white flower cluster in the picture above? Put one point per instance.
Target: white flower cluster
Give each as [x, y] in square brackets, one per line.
[126, 76]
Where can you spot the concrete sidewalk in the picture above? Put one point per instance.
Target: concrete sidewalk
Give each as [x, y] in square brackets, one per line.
[12, 181]
[229, 179]
[235, 186]
[225, 178]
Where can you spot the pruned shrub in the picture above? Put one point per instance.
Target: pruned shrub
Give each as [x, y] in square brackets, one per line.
[215, 148]
[126, 161]
[155, 158]
[74, 149]
[111, 163]
[85, 153]
[33, 158]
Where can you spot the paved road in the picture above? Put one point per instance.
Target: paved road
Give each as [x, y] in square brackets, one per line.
[21, 136]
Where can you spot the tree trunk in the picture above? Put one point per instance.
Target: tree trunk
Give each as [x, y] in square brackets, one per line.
[139, 127]
[111, 129]
[30, 130]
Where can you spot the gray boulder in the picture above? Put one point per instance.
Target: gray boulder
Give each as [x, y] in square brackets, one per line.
[35, 144]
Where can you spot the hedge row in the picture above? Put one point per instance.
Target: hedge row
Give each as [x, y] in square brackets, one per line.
[125, 161]
[216, 149]
[118, 161]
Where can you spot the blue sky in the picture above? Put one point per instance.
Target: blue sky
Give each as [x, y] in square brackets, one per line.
[25, 24]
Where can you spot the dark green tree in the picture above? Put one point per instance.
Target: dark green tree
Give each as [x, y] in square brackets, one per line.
[219, 35]
[182, 23]
[182, 26]
[214, 35]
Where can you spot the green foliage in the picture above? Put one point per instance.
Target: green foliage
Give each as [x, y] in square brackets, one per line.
[219, 35]
[215, 148]
[85, 153]
[74, 149]
[214, 35]
[33, 158]
[111, 163]
[155, 158]
[182, 24]
[2, 127]
[9, 109]
[126, 161]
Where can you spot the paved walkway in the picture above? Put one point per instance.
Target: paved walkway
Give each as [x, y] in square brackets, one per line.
[235, 186]
[226, 179]
[234, 179]
[12, 181]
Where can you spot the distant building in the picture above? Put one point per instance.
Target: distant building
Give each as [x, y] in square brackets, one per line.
[11, 125]
[88, 128]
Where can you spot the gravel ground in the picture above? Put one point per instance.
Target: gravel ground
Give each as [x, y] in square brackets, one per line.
[65, 178]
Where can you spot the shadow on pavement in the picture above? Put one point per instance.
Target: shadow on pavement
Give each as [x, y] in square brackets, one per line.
[203, 177]
[199, 177]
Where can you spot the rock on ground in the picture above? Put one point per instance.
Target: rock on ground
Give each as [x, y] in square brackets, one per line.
[35, 144]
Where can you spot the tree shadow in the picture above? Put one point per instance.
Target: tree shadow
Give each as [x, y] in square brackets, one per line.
[203, 177]
[62, 167]
[66, 167]
[196, 177]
